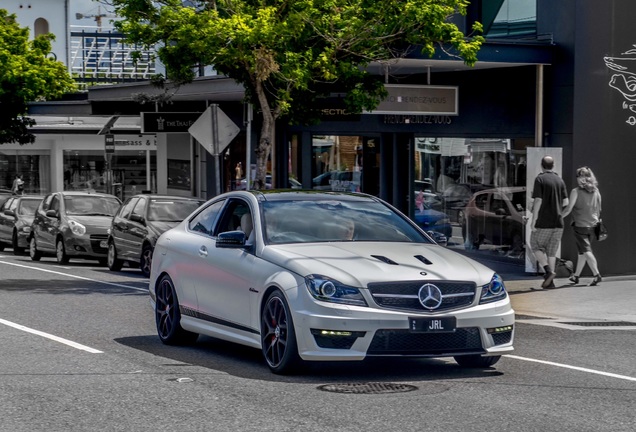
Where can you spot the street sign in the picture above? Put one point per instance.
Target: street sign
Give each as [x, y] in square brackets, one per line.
[109, 141]
[214, 130]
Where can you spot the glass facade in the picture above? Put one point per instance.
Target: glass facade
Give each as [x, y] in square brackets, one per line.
[33, 165]
[471, 193]
[510, 18]
[86, 170]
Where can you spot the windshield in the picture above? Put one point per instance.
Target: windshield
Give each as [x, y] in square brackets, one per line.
[91, 205]
[171, 210]
[28, 207]
[333, 220]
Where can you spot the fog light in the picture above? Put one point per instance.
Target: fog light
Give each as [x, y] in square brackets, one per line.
[499, 329]
[336, 333]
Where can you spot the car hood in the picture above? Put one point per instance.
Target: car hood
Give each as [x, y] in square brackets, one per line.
[92, 221]
[360, 263]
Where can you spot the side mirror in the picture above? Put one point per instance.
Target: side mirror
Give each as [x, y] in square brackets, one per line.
[136, 218]
[9, 213]
[231, 239]
[52, 214]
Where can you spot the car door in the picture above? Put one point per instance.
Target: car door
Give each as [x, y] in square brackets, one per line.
[119, 228]
[223, 282]
[45, 227]
[6, 221]
[137, 230]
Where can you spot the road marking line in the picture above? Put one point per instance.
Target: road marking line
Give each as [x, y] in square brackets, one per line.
[50, 336]
[75, 276]
[580, 369]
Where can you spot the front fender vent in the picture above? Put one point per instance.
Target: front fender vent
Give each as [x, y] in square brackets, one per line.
[385, 259]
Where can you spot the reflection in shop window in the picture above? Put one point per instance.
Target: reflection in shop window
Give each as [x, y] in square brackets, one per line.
[33, 165]
[479, 185]
[337, 163]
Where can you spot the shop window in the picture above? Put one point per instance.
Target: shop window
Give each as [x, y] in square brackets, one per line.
[338, 162]
[33, 165]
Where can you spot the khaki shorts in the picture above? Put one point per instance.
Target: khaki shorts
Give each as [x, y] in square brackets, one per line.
[546, 240]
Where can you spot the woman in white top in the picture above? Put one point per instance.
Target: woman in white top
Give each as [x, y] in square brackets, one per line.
[585, 206]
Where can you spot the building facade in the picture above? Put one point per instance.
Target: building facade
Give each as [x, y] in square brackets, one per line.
[553, 78]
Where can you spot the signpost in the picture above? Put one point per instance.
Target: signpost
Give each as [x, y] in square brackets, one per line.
[214, 130]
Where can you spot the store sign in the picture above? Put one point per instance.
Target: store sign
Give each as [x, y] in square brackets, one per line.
[109, 142]
[418, 100]
[167, 122]
[136, 142]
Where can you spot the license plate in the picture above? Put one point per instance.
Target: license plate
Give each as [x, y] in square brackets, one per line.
[103, 244]
[433, 325]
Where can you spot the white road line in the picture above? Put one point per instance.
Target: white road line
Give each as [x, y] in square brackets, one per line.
[580, 369]
[74, 276]
[50, 336]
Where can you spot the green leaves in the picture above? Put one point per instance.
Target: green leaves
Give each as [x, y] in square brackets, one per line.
[27, 73]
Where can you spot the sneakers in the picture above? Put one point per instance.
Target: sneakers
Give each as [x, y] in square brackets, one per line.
[551, 286]
[548, 279]
[574, 279]
[597, 279]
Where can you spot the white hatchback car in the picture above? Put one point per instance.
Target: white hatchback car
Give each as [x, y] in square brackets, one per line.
[312, 275]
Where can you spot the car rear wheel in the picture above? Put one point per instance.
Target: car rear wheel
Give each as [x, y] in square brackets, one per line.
[145, 262]
[168, 316]
[476, 361]
[60, 252]
[34, 253]
[278, 337]
[114, 263]
[17, 250]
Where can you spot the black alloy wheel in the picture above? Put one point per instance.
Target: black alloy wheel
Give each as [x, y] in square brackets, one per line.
[278, 337]
[168, 316]
[145, 262]
[34, 253]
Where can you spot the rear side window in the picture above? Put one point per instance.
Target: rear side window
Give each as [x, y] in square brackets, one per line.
[127, 208]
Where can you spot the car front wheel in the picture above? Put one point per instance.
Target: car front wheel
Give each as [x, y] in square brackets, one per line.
[114, 263]
[168, 316]
[145, 261]
[60, 252]
[278, 337]
[34, 253]
[476, 361]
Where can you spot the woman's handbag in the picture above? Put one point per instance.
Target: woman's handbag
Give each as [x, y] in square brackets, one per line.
[600, 230]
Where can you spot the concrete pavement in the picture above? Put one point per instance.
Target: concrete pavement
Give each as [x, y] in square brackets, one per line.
[612, 301]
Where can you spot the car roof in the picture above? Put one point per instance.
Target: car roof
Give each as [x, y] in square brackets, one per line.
[166, 197]
[307, 195]
[85, 193]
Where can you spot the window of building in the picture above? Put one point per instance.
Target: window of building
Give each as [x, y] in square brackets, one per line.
[33, 165]
[40, 27]
[509, 18]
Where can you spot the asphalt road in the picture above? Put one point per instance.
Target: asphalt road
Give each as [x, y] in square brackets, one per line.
[79, 352]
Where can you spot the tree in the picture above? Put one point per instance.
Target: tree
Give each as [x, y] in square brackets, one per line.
[289, 53]
[27, 74]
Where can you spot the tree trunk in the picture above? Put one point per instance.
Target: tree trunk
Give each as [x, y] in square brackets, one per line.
[266, 140]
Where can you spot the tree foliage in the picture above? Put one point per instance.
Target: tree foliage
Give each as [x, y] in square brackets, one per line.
[288, 53]
[27, 74]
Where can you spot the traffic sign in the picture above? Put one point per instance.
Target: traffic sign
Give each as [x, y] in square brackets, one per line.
[214, 130]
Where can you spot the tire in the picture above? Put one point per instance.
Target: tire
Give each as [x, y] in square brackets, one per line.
[34, 253]
[113, 263]
[476, 361]
[278, 337]
[168, 316]
[145, 261]
[17, 250]
[60, 252]
[1, 246]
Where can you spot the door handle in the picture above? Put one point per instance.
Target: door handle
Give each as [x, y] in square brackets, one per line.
[203, 251]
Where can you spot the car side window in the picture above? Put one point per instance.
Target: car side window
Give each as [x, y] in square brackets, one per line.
[230, 219]
[140, 208]
[55, 204]
[203, 221]
[127, 208]
[46, 203]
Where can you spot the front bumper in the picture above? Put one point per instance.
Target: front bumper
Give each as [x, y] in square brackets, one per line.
[87, 245]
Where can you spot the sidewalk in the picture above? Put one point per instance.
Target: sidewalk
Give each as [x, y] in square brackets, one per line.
[613, 300]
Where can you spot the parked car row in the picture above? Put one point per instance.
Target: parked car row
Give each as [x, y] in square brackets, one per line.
[88, 225]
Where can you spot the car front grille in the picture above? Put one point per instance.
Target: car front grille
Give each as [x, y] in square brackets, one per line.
[405, 342]
[403, 296]
[95, 241]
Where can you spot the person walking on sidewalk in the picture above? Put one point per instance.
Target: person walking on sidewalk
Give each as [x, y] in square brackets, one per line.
[585, 207]
[550, 198]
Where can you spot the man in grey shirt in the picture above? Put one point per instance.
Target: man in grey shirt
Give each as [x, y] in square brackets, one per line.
[550, 199]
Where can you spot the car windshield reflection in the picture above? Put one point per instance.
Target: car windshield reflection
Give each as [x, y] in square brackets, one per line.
[171, 210]
[331, 221]
[90, 206]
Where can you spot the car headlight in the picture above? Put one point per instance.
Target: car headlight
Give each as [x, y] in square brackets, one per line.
[76, 228]
[493, 291]
[330, 290]
[26, 229]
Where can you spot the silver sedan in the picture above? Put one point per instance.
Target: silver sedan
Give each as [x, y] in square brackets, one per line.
[310, 276]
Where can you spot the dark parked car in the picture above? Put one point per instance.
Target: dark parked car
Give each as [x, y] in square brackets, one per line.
[495, 216]
[73, 225]
[16, 217]
[139, 223]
